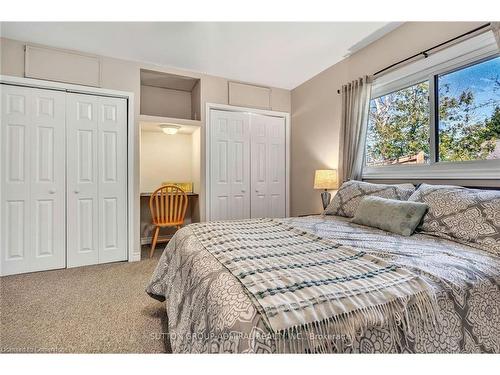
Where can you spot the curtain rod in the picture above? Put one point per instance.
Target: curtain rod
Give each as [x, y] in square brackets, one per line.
[425, 53]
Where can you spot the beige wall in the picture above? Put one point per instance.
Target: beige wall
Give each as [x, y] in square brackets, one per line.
[196, 159]
[316, 104]
[165, 158]
[157, 101]
[195, 102]
[11, 57]
[124, 75]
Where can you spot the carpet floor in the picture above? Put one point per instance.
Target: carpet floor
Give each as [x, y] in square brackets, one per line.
[93, 309]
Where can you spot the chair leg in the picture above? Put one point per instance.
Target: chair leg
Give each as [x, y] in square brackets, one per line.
[153, 244]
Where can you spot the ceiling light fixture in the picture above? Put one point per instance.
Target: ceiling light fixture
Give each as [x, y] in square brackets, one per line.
[169, 129]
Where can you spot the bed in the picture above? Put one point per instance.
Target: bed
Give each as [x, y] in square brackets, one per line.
[210, 310]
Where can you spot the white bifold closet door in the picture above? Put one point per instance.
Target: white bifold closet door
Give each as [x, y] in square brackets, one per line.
[268, 166]
[247, 165]
[229, 165]
[32, 180]
[96, 179]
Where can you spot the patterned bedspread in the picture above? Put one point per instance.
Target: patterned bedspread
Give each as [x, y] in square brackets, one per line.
[209, 310]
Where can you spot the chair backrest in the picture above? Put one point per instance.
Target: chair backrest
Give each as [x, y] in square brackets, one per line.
[168, 205]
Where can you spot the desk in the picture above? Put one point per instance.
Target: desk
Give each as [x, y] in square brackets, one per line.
[192, 216]
[188, 194]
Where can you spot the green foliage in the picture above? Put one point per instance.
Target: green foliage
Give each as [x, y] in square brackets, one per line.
[399, 126]
[461, 137]
[493, 124]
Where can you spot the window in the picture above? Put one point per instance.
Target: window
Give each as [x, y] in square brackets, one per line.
[398, 127]
[469, 112]
[438, 117]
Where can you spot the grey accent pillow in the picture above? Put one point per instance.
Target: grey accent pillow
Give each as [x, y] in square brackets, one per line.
[468, 216]
[400, 217]
[350, 194]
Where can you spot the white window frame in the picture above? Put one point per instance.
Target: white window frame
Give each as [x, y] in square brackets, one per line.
[459, 56]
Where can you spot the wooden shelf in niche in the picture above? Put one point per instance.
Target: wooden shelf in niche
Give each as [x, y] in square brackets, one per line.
[169, 120]
[170, 96]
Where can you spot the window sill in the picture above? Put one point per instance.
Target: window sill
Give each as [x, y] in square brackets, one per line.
[484, 170]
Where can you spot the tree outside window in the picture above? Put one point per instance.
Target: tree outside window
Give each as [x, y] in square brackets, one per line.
[468, 113]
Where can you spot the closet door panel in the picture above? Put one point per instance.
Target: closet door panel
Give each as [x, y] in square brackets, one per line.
[268, 166]
[259, 167]
[238, 158]
[82, 180]
[219, 166]
[15, 241]
[220, 186]
[239, 154]
[33, 158]
[229, 165]
[276, 172]
[112, 189]
[48, 156]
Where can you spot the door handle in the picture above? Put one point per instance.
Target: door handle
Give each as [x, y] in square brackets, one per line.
[243, 190]
[77, 191]
[52, 191]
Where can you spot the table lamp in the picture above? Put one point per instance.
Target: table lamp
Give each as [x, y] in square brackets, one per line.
[325, 179]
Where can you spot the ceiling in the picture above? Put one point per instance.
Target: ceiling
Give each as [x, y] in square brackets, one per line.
[279, 54]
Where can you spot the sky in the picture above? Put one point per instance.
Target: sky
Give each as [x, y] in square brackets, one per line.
[479, 79]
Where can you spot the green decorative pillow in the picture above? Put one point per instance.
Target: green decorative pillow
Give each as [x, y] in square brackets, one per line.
[401, 217]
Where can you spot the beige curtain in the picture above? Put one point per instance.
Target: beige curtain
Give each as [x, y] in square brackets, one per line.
[355, 107]
[495, 27]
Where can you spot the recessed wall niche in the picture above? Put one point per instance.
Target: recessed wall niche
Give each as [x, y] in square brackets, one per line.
[170, 95]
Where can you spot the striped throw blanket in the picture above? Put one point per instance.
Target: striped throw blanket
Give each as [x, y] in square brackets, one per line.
[315, 293]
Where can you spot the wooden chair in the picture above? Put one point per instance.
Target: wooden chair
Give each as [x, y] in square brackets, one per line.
[168, 206]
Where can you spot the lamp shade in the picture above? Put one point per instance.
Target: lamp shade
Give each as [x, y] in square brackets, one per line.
[325, 179]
